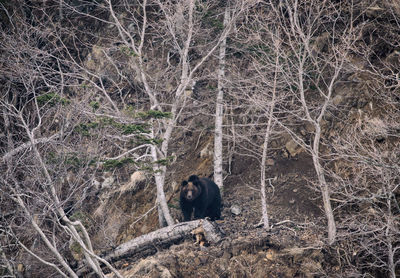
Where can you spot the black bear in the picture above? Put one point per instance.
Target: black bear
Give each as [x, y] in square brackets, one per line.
[201, 195]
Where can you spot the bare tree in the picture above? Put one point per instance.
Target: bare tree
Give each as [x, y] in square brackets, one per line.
[177, 26]
[94, 86]
[311, 74]
[268, 132]
[51, 150]
[306, 73]
[365, 150]
[219, 113]
[74, 105]
[366, 177]
[263, 103]
[255, 90]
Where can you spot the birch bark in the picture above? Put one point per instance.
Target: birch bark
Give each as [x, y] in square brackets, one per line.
[268, 131]
[219, 111]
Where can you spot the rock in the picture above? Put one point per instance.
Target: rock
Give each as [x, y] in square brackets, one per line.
[337, 100]
[236, 210]
[20, 268]
[137, 177]
[207, 151]
[293, 148]
[321, 43]
[270, 162]
[108, 182]
[137, 180]
[271, 255]
[96, 184]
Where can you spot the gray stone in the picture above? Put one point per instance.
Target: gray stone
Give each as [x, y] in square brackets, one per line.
[207, 151]
[293, 148]
[270, 162]
[108, 182]
[236, 210]
[137, 177]
[337, 100]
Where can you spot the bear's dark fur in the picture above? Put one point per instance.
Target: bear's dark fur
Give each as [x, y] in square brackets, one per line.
[201, 195]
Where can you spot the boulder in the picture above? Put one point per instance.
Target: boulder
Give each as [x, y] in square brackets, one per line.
[293, 148]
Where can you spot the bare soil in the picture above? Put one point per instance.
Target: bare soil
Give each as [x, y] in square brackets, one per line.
[292, 248]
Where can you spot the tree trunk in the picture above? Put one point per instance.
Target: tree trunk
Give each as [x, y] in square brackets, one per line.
[324, 187]
[265, 147]
[84, 241]
[45, 239]
[163, 237]
[159, 175]
[315, 147]
[391, 253]
[219, 110]
[263, 195]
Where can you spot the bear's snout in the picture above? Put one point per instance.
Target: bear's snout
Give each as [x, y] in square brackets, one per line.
[189, 195]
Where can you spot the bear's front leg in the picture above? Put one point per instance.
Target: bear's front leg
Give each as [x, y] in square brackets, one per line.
[187, 212]
[187, 215]
[200, 212]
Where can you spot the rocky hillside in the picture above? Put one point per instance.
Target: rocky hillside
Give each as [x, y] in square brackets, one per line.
[108, 105]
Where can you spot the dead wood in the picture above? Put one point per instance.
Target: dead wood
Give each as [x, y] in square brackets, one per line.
[161, 238]
[164, 237]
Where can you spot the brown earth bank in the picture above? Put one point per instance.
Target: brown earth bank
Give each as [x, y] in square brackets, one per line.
[359, 152]
[294, 247]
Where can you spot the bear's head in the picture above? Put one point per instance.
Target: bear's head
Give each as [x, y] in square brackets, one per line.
[190, 190]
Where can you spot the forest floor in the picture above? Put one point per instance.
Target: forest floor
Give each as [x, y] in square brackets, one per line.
[294, 247]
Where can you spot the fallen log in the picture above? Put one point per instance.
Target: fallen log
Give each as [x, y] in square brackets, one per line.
[164, 237]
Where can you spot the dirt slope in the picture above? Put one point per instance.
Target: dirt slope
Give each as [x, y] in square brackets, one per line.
[290, 249]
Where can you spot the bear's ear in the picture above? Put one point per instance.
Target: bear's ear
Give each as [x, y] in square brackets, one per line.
[184, 183]
[193, 178]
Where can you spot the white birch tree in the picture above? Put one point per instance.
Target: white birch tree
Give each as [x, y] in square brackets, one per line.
[219, 110]
[312, 75]
[179, 22]
[268, 131]
[61, 107]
